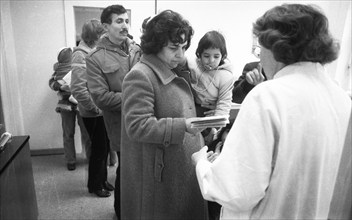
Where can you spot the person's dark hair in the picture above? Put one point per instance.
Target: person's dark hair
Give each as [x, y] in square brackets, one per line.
[295, 33]
[108, 11]
[212, 145]
[212, 39]
[91, 31]
[168, 25]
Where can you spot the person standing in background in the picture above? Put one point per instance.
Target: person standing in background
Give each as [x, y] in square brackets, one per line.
[252, 75]
[67, 107]
[92, 116]
[158, 180]
[107, 66]
[281, 157]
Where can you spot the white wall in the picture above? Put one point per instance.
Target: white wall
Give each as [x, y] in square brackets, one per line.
[37, 30]
[234, 19]
[32, 31]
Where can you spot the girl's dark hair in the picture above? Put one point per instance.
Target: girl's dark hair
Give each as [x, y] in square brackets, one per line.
[295, 33]
[212, 39]
[105, 16]
[91, 31]
[168, 25]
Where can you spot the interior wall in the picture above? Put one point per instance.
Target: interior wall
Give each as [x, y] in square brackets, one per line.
[38, 31]
[9, 87]
[34, 30]
[234, 19]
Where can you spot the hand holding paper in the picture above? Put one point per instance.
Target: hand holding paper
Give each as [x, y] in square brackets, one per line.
[210, 121]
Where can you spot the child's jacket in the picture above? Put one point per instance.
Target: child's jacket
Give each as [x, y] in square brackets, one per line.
[212, 89]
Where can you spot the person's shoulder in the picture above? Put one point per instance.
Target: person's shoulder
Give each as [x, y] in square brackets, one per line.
[138, 71]
[78, 53]
[95, 52]
[224, 75]
[80, 50]
[141, 68]
[135, 47]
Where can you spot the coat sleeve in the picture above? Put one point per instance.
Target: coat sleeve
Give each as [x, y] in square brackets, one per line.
[239, 177]
[54, 84]
[224, 101]
[79, 88]
[138, 112]
[99, 88]
[241, 86]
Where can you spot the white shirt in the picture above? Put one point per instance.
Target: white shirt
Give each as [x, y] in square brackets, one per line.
[281, 157]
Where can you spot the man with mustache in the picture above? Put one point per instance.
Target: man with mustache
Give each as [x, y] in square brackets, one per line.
[107, 66]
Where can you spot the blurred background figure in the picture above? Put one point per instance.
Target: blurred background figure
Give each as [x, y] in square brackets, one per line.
[252, 75]
[67, 107]
[92, 116]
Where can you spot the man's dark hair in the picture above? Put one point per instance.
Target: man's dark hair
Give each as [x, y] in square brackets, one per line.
[108, 11]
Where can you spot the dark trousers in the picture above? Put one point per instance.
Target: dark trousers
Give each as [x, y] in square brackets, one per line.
[97, 170]
[214, 210]
[117, 192]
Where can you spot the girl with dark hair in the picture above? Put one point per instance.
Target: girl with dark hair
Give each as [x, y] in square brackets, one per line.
[211, 76]
[211, 79]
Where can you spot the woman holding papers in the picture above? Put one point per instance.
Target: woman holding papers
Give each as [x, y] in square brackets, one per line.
[281, 157]
[158, 180]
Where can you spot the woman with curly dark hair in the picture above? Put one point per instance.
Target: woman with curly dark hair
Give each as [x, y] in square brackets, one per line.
[158, 178]
[281, 157]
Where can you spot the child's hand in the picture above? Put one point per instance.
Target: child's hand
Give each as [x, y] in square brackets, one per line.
[209, 113]
[62, 82]
[65, 87]
[202, 154]
[211, 156]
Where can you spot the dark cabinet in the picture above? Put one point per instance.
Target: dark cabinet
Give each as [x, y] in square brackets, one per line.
[17, 191]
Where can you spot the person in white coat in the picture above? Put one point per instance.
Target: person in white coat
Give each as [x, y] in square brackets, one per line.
[281, 157]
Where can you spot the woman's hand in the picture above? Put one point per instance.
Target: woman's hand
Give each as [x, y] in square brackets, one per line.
[202, 154]
[212, 156]
[189, 127]
[209, 113]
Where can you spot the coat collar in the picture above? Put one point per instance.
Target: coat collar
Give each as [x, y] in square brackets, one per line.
[165, 74]
[123, 48]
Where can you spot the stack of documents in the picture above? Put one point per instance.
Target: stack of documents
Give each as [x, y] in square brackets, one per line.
[210, 122]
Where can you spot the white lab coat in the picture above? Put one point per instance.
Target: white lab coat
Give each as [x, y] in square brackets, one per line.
[281, 157]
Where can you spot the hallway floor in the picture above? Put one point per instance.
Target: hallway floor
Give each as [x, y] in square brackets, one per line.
[62, 194]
